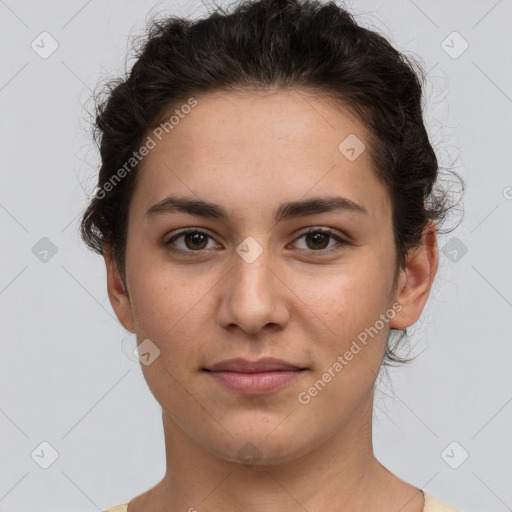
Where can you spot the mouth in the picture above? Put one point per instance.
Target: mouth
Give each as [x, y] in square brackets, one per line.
[254, 377]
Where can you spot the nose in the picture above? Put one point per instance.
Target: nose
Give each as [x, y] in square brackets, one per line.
[254, 296]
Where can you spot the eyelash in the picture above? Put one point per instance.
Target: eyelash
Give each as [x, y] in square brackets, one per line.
[187, 252]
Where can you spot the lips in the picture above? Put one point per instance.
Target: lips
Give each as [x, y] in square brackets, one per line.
[254, 377]
[240, 365]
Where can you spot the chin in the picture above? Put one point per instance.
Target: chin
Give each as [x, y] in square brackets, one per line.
[255, 448]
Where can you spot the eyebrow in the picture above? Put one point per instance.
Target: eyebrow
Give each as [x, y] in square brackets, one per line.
[288, 210]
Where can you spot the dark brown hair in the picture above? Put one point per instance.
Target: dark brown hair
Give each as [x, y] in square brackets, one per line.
[270, 44]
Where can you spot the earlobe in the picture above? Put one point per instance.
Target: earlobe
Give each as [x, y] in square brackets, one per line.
[117, 294]
[415, 281]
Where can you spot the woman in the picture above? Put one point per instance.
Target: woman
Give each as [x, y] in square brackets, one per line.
[267, 213]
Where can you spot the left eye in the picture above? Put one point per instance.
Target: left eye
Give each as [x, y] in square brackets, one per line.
[318, 237]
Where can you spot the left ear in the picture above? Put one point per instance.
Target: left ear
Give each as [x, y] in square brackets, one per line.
[416, 279]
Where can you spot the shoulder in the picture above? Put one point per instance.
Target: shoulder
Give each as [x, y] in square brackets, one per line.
[431, 505]
[118, 508]
[434, 505]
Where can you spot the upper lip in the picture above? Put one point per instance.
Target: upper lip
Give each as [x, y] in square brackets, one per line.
[242, 365]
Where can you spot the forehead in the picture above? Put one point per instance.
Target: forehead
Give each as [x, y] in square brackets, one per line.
[253, 148]
[241, 123]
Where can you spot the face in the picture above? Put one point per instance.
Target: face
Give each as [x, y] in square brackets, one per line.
[258, 276]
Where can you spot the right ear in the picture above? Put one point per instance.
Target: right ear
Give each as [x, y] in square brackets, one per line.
[116, 292]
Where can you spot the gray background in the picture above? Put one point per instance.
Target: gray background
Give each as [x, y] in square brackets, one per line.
[69, 377]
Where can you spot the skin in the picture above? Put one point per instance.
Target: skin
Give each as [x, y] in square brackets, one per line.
[249, 152]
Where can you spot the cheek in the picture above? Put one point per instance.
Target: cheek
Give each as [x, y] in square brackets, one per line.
[172, 310]
[349, 353]
[348, 296]
[168, 312]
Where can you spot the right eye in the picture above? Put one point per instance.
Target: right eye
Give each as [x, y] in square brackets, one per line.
[193, 239]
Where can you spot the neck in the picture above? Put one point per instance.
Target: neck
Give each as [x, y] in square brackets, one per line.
[341, 473]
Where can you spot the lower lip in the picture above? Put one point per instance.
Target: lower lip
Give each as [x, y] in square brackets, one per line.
[255, 383]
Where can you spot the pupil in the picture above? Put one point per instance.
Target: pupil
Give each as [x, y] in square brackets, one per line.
[196, 238]
[316, 237]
